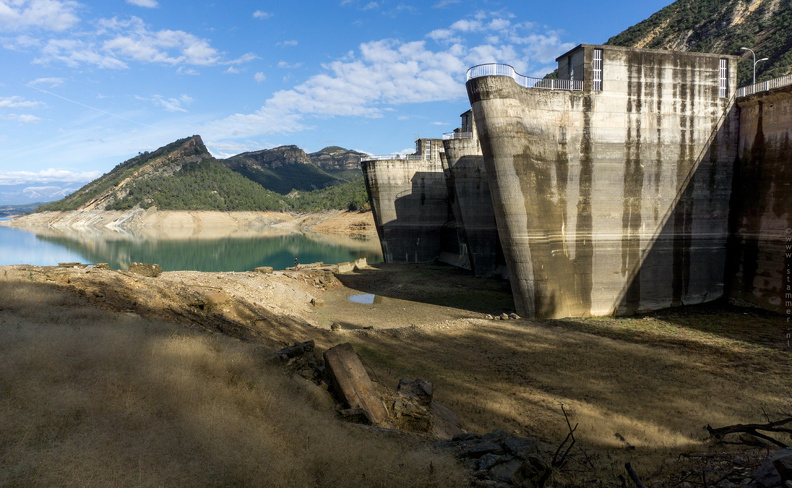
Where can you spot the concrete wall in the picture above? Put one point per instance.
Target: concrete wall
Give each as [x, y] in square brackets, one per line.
[612, 201]
[409, 200]
[472, 205]
[761, 223]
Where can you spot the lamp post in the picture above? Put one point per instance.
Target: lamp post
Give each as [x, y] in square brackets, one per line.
[754, 62]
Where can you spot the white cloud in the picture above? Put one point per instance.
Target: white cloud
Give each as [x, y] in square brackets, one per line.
[52, 15]
[245, 58]
[260, 14]
[187, 71]
[22, 118]
[18, 102]
[446, 3]
[49, 82]
[120, 41]
[286, 65]
[46, 176]
[289, 43]
[379, 74]
[170, 104]
[144, 3]
[132, 39]
[259, 77]
[74, 53]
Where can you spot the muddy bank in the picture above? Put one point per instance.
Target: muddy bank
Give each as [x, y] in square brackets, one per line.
[153, 223]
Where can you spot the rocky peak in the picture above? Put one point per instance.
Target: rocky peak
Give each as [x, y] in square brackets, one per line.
[337, 158]
[273, 158]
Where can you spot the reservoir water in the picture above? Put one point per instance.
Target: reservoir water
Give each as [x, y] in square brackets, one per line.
[224, 254]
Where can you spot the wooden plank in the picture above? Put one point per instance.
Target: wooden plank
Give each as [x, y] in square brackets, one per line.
[353, 383]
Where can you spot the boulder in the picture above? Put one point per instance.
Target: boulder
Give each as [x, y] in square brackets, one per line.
[782, 461]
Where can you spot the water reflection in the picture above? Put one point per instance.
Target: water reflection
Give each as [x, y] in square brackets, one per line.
[50, 247]
[365, 298]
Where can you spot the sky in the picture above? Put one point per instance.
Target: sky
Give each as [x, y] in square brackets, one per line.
[86, 85]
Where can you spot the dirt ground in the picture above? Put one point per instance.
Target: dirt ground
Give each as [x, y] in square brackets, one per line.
[639, 389]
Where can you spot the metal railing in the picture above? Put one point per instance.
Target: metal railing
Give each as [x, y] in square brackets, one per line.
[396, 157]
[457, 135]
[764, 86]
[497, 69]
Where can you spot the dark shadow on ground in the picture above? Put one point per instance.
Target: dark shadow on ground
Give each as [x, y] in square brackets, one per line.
[435, 284]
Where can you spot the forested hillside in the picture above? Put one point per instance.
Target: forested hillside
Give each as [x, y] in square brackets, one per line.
[281, 169]
[722, 26]
[184, 176]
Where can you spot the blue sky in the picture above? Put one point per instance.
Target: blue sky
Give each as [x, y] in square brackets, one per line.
[86, 85]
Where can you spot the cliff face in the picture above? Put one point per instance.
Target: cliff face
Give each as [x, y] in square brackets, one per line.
[270, 158]
[334, 158]
[723, 27]
[281, 169]
[116, 184]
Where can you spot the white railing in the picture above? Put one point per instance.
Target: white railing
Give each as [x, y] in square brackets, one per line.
[496, 69]
[764, 86]
[457, 135]
[396, 157]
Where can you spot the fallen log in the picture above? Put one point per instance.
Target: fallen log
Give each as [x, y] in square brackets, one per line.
[353, 384]
[754, 430]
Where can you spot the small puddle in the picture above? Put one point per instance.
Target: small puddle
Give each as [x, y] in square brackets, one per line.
[365, 298]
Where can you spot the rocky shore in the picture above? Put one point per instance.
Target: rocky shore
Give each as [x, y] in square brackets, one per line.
[198, 224]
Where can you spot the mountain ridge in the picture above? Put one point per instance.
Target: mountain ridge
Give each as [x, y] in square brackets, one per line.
[721, 27]
[183, 175]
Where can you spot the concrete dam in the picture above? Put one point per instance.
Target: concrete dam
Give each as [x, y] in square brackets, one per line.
[637, 180]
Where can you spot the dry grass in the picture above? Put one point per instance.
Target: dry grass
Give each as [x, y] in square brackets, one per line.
[92, 398]
[97, 398]
[657, 381]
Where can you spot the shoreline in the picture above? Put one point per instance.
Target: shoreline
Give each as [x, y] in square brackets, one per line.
[200, 224]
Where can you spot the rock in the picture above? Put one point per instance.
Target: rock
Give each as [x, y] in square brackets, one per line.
[419, 389]
[766, 475]
[445, 423]
[486, 447]
[353, 384]
[496, 435]
[335, 326]
[504, 316]
[346, 267]
[489, 317]
[145, 269]
[296, 349]
[263, 269]
[499, 459]
[101, 266]
[782, 461]
[317, 302]
[510, 472]
[489, 460]
[520, 446]
[514, 316]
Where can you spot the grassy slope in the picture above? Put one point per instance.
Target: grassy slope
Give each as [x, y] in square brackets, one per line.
[93, 398]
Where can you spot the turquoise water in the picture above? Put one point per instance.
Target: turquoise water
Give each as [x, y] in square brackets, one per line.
[228, 254]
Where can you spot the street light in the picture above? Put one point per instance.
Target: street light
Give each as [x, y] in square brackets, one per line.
[755, 61]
